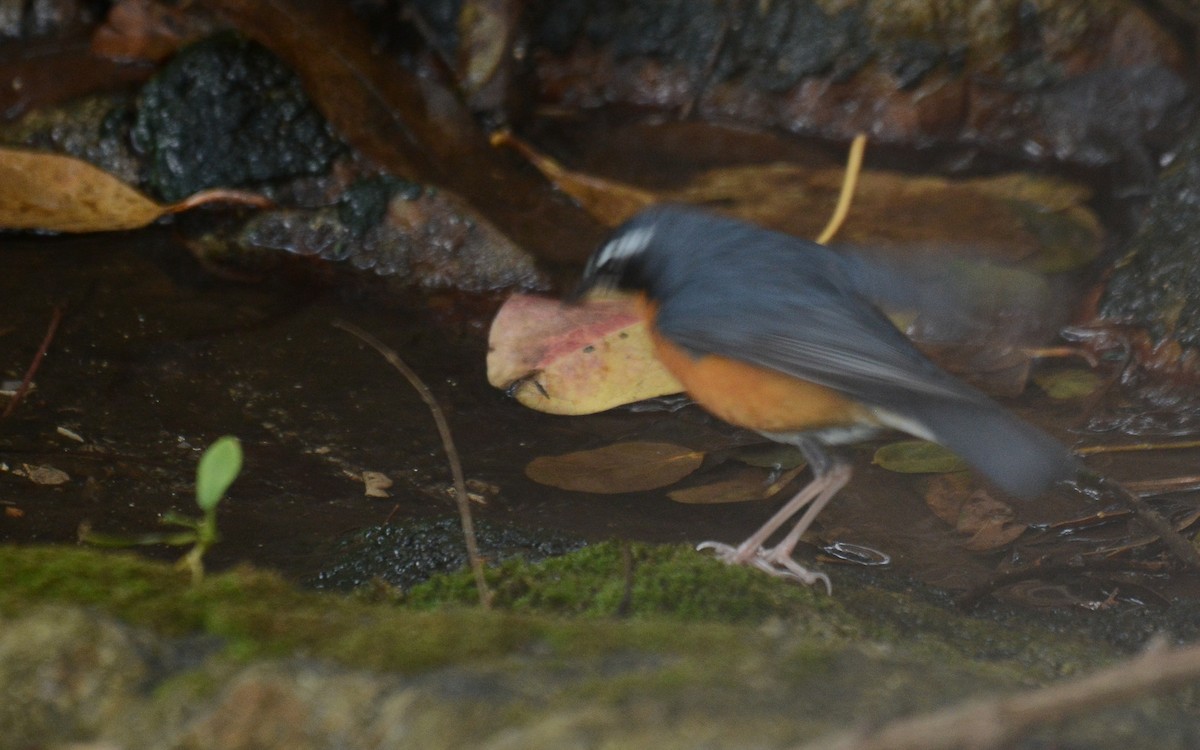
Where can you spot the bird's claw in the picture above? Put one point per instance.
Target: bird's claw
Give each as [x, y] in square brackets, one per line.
[770, 561]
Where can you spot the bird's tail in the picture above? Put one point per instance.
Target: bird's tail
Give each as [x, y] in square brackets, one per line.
[1018, 457]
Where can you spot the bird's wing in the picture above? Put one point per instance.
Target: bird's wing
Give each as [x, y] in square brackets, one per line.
[829, 336]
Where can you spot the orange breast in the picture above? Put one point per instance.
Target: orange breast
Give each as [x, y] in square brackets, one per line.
[754, 397]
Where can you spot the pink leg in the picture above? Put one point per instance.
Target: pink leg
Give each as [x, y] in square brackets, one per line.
[777, 561]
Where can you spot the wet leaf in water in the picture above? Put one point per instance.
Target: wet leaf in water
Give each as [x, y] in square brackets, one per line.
[56, 193]
[740, 489]
[573, 359]
[1040, 222]
[745, 484]
[917, 457]
[611, 202]
[987, 520]
[769, 456]
[617, 468]
[945, 496]
[1068, 384]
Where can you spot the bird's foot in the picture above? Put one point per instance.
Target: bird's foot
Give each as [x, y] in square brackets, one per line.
[771, 561]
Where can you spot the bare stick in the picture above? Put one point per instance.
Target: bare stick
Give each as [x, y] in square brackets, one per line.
[51, 329]
[986, 723]
[460, 485]
[1091, 450]
[1096, 485]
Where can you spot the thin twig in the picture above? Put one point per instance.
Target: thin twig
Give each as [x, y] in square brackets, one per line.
[987, 723]
[460, 484]
[1091, 450]
[1096, 485]
[55, 318]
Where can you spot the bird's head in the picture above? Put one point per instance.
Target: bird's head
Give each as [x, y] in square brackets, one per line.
[620, 263]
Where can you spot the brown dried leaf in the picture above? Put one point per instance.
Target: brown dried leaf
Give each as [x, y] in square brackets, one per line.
[44, 475]
[1013, 218]
[147, 30]
[57, 193]
[573, 359]
[946, 494]
[994, 536]
[617, 468]
[981, 511]
[609, 201]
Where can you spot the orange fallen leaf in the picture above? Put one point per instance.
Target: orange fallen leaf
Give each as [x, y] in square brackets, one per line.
[573, 359]
[50, 192]
[617, 468]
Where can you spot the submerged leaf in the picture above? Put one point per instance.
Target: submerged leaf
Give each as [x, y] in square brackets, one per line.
[617, 468]
[1040, 222]
[745, 484]
[1068, 384]
[989, 522]
[57, 193]
[917, 457]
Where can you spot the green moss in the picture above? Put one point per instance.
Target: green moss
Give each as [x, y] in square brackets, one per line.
[601, 601]
[634, 580]
[258, 613]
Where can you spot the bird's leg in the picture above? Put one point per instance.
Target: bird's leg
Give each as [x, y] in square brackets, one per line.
[829, 476]
[779, 558]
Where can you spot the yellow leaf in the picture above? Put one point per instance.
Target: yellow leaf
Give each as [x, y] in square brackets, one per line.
[617, 468]
[56, 193]
[573, 359]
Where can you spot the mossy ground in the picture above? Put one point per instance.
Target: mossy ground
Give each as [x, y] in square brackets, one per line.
[602, 599]
[674, 639]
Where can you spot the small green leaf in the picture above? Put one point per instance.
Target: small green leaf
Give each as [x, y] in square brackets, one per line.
[219, 466]
[1067, 384]
[917, 457]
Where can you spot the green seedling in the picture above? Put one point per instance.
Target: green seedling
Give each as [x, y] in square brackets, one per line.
[219, 466]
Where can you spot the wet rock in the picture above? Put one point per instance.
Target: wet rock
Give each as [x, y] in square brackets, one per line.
[1156, 286]
[227, 113]
[66, 673]
[94, 128]
[408, 554]
[397, 229]
[1032, 79]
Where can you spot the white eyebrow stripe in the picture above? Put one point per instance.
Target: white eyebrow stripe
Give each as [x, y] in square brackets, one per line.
[630, 243]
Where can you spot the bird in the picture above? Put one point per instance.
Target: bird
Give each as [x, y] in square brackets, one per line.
[774, 333]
